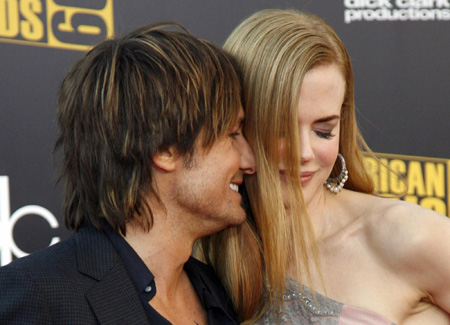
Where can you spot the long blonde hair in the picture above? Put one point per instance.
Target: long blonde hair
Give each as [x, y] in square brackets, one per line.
[274, 50]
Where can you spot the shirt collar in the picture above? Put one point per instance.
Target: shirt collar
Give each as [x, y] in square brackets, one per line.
[141, 276]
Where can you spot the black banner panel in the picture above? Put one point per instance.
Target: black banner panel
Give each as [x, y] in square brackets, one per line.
[400, 52]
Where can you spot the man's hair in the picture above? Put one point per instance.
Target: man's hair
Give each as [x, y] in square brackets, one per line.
[127, 99]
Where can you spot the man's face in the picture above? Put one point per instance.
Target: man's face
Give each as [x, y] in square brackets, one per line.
[207, 189]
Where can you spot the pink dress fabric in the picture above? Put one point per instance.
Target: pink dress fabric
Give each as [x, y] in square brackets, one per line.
[355, 316]
[299, 307]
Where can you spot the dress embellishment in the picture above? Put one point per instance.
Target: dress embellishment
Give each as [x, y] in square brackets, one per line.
[299, 307]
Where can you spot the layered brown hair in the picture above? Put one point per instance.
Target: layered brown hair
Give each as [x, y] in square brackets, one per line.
[274, 50]
[127, 99]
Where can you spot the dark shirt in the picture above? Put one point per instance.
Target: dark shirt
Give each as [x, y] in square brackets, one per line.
[207, 286]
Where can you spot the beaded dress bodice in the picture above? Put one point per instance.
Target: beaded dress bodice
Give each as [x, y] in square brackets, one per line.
[300, 308]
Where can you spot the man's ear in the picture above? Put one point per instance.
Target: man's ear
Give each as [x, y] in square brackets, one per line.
[165, 159]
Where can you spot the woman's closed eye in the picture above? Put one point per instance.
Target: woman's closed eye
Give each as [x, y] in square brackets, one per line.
[324, 135]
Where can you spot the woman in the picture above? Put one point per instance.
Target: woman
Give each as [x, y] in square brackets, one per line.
[352, 256]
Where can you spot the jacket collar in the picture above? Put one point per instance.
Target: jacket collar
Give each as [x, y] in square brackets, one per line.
[113, 298]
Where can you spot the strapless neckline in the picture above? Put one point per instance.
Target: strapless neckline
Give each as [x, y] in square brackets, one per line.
[300, 308]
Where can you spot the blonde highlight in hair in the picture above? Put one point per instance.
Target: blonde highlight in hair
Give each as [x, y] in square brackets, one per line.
[129, 98]
[274, 50]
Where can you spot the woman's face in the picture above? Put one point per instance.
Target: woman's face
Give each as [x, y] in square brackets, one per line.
[319, 111]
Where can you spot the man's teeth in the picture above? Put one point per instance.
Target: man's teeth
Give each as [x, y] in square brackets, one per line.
[234, 187]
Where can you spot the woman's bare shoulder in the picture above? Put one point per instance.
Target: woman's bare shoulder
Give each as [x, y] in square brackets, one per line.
[410, 241]
[380, 210]
[396, 228]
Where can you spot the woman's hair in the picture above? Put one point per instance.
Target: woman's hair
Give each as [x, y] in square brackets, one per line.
[274, 50]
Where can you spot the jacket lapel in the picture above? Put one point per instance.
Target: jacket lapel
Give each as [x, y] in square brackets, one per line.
[113, 298]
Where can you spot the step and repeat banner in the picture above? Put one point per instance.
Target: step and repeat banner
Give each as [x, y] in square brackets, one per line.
[400, 51]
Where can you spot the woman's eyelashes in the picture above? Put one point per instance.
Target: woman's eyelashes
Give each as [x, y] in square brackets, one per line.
[324, 135]
[325, 130]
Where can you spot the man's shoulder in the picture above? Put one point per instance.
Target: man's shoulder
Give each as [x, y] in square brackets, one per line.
[46, 258]
[56, 259]
[30, 283]
[53, 283]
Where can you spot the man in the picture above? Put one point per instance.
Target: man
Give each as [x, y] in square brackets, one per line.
[153, 155]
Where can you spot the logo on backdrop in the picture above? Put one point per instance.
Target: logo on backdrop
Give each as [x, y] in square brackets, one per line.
[428, 179]
[8, 246]
[65, 24]
[396, 10]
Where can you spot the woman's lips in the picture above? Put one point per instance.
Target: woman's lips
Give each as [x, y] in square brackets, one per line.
[306, 177]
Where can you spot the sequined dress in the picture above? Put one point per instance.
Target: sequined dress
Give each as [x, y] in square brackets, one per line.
[300, 308]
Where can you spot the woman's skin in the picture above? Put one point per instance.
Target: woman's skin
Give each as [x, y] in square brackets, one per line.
[383, 255]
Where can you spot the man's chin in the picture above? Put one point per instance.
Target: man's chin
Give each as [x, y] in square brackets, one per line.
[236, 220]
[240, 219]
[232, 221]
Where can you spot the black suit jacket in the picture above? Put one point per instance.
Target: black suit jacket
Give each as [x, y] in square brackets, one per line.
[81, 280]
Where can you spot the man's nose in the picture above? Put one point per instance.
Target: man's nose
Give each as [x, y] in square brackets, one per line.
[248, 165]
